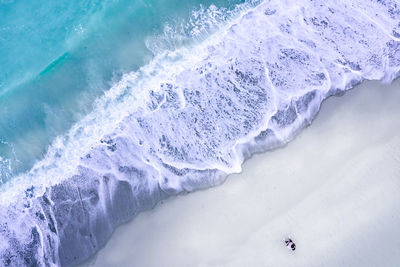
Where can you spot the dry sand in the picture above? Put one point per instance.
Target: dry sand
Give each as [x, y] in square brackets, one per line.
[335, 190]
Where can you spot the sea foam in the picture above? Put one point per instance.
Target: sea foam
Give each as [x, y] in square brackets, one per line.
[191, 117]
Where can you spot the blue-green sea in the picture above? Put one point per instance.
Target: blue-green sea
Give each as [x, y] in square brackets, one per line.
[57, 57]
[108, 107]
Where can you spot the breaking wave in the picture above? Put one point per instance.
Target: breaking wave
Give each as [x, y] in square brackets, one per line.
[192, 116]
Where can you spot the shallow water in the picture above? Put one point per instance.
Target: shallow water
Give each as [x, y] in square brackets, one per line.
[56, 58]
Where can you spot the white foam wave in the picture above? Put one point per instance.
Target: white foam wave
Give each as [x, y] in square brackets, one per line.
[201, 24]
[124, 98]
[192, 115]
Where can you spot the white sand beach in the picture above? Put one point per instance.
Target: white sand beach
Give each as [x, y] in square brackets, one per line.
[335, 190]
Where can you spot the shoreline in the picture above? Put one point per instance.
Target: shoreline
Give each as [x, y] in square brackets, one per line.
[255, 84]
[328, 170]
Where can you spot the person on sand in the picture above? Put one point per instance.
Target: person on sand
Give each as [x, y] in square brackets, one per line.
[290, 244]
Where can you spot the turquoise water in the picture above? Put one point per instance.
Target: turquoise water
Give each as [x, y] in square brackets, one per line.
[113, 106]
[57, 57]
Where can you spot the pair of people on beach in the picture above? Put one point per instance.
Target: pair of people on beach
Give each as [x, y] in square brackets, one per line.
[290, 244]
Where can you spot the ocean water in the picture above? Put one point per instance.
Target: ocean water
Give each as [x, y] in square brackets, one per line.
[57, 57]
[108, 107]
